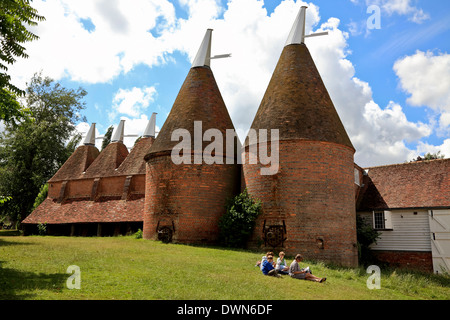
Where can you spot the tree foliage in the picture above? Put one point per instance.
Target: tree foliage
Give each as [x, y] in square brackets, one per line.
[237, 224]
[42, 195]
[32, 151]
[10, 108]
[15, 16]
[430, 156]
[366, 236]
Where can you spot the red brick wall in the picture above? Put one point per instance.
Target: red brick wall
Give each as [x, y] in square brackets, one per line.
[313, 193]
[189, 197]
[137, 187]
[406, 259]
[77, 189]
[54, 189]
[110, 187]
[107, 188]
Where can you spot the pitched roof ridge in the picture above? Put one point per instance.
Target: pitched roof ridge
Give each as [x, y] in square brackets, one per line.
[406, 163]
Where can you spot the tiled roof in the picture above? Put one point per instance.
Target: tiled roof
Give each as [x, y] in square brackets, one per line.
[297, 103]
[420, 184]
[134, 163]
[85, 211]
[199, 99]
[77, 163]
[107, 161]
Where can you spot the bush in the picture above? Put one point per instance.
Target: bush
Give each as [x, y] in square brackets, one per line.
[42, 228]
[237, 224]
[366, 236]
[138, 234]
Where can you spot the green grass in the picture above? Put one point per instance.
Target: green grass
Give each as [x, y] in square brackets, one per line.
[35, 267]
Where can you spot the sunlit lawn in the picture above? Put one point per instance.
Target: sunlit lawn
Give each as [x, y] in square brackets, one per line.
[127, 268]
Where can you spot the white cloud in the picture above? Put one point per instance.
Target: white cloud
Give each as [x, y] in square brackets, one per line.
[426, 77]
[378, 134]
[132, 102]
[120, 40]
[401, 7]
[424, 148]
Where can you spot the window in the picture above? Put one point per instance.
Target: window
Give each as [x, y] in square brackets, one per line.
[356, 172]
[382, 220]
[378, 220]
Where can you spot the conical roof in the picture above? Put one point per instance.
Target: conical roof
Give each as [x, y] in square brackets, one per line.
[134, 162]
[199, 99]
[107, 161]
[77, 163]
[297, 103]
[80, 160]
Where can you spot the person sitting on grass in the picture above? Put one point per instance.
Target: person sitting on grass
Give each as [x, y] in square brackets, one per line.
[297, 273]
[268, 268]
[281, 266]
[264, 258]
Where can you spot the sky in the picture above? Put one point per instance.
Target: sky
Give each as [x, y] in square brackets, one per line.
[385, 63]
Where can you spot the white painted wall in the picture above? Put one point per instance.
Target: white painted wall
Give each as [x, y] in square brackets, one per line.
[440, 239]
[410, 232]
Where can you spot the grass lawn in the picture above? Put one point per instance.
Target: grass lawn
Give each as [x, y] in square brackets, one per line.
[34, 268]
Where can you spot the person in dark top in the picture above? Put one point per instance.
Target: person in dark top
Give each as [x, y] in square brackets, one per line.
[268, 267]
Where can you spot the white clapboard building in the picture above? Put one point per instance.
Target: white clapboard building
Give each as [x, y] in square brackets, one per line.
[409, 204]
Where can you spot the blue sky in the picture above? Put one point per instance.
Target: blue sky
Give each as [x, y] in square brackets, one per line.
[390, 86]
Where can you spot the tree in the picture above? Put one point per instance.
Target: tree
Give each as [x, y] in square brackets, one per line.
[32, 150]
[73, 144]
[430, 156]
[42, 195]
[15, 15]
[366, 236]
[10, 108]
[107, 137]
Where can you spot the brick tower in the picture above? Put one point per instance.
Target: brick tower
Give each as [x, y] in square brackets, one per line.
[309, 204]
[184, 201]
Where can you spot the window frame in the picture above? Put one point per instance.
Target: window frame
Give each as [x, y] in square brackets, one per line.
[384, 222]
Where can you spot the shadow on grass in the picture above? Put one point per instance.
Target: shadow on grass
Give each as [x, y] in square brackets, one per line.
[4, 243]
[10, 233]
[20, 285]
